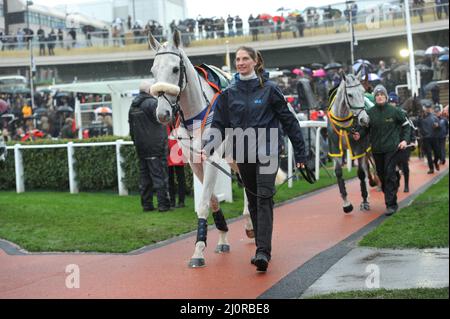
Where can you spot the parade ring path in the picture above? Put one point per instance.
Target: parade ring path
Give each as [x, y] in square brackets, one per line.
[310, 234]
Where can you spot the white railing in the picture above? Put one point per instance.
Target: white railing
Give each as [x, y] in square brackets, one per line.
[73, 185]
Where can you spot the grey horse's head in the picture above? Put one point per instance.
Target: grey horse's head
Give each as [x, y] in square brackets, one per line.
[353, 98]
[170, 76]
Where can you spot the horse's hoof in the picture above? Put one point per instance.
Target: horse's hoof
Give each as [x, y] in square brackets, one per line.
[222, 249]
[364, 206]
[250, 233]
[348, 209]
[197, 263]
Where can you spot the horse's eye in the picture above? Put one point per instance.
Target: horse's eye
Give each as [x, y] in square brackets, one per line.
[350, 95]
[176, 69]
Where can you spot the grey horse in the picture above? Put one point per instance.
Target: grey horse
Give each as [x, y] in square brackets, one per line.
[346, 112]
[178, 87]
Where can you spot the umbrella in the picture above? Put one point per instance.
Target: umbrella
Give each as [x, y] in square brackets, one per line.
[40, 111]
[306, 70]
[317, 66]
[61, 94]
[45, 91]
[3, 106]
[419, 53]
[435, 49]
[360, 63]
[401, 68]
[430, 86]
[443, 58]
[332, 66]
[265, 16]
[373, 77]
[64, 109]
[283, 9]
[106, 110]
[319, 73]
[278, 18]
[423, 68]
[298, 72]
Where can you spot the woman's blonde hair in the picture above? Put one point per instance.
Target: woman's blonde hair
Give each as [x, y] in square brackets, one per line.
[257, 57]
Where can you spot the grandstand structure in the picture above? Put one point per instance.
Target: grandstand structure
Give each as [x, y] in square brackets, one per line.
[15, 15]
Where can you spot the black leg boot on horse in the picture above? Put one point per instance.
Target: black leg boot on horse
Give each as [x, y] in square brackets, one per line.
[365, 206]
[347, 207]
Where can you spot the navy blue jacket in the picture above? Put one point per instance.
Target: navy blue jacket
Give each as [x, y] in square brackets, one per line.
[429, 126]
[245, 104]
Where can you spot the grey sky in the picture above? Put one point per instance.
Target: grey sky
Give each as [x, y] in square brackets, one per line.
[233, 7]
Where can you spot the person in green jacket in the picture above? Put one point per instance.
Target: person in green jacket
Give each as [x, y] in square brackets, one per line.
[389, 131]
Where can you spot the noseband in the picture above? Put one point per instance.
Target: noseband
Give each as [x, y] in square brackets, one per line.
[182, 83]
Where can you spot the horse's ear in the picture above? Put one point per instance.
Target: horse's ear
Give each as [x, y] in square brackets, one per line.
[343, 76]
[176, 38]
[153, 43]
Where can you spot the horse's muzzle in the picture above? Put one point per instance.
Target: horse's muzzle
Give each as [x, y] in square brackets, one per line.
[165, 118]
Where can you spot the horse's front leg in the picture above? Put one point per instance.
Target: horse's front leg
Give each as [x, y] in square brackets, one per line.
[362, 173]
[347, 207]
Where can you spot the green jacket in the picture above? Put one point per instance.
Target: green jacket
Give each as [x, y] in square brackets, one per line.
[387, 128]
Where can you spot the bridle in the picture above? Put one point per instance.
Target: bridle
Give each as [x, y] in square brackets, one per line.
[352, 117]
[182, 84]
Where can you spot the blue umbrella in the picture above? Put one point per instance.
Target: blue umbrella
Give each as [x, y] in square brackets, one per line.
[443, 58]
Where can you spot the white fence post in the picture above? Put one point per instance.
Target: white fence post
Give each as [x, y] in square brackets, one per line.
[18, 163]
[349, 161]
[318, 153]
[72, 175]
[290, 166]
[123, 191]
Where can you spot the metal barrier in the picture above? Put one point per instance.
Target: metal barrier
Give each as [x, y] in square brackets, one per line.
[363, 21]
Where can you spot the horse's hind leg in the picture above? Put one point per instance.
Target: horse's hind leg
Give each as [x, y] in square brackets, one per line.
[362, 173]
[347, 207]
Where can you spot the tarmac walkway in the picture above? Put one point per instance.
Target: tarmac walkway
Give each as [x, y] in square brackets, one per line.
[310, 235]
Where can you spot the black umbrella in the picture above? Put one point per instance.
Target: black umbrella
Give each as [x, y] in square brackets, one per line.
[64, 109]
[430, 86]
[423, 68]
[334, 65]
[62, 94]
[316, 66]
[402, 68]
[40, 111]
